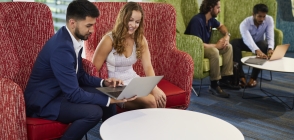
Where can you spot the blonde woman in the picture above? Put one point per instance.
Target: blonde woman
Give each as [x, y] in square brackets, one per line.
[122, 47]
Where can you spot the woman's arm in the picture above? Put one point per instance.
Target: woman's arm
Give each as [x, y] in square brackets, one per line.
[103, 49]
[146, 59]
[158, 94]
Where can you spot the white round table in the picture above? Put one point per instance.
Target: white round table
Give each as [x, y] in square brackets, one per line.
[167, 124]
[284, 64]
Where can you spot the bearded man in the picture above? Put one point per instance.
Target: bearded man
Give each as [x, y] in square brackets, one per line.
[201, 26]
[59, 89]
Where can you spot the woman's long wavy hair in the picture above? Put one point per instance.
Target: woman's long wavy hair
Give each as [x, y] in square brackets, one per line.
[121, 27]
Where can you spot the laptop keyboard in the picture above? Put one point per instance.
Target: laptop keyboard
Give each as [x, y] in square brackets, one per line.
[115, 93]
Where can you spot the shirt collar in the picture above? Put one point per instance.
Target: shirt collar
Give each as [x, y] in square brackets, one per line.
[76, 44]
[252, 21]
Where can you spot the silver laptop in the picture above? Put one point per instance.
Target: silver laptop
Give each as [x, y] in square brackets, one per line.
[279, 53]
[139, 86]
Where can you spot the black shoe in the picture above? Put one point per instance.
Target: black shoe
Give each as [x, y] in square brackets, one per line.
[218, 92]
[228, 84]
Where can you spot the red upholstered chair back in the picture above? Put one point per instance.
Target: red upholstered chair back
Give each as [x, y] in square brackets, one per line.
[12, 111]
[160, 28]
[159, 24]
[24, 29]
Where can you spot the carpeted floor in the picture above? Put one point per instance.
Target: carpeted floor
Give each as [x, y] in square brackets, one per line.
[257, 119]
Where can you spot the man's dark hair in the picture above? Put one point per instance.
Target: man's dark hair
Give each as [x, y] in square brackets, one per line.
[206, 5]
[80, 9]
[260, 8]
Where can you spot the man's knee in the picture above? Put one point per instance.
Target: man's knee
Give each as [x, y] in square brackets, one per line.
[94, 113]
[229, 47]
[262, 45]
[212, 53]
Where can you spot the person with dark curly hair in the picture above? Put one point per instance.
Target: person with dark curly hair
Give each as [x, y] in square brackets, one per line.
[201, 25]
[122, 47]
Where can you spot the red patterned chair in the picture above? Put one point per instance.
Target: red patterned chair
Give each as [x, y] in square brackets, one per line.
[24, 28]
[160, 30]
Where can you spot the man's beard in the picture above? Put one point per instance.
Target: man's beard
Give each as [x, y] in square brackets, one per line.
[80, 36]
[214, 15]
[258, 22]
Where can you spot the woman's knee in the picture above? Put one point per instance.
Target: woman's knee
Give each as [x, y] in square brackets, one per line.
[151, 104]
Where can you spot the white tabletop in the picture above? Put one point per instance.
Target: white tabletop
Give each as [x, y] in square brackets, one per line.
[282, 65]
[167, 124]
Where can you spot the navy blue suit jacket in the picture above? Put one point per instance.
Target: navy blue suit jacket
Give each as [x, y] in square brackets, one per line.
[54, 79]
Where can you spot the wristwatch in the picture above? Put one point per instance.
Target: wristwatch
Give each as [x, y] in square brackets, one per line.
[229, 34]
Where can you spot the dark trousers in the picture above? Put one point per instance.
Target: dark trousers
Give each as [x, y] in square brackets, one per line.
[82, 117]
[238, 47]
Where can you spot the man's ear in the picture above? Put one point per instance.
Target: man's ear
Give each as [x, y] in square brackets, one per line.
[211, 9]
[72, 23]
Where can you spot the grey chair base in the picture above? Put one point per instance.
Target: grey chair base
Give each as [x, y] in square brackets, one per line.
[201, 84]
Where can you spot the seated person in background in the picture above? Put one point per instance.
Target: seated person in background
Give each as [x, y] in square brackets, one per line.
[201, 25]
[253, 29]
[53, 91]
[121, 48]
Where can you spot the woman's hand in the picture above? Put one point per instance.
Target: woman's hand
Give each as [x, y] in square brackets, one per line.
[160, 97]
[112, 82]
[113, 101]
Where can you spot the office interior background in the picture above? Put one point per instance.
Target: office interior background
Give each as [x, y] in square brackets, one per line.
[285, 16]
[260, 123]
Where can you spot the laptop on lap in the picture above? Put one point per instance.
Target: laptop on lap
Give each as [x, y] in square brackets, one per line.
[278, 53]
[140, 86]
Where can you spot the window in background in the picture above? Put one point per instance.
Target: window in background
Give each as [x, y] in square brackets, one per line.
[58, 8]
[292, 1]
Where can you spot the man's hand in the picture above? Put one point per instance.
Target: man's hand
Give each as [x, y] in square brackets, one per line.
[159, 96]
[113, 101]
[112, 82]
[269, 53]
[226, 39]
[260, 54]
[221, 44]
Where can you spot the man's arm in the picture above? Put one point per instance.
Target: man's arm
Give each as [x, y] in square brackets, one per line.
[223, 29]
[246, 36]
[195, 29]
[226, 38]
[85, 79]
[62, 64]
[270, 32]
[209, 45]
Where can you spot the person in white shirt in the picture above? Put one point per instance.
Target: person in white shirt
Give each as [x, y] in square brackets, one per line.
[257, 33]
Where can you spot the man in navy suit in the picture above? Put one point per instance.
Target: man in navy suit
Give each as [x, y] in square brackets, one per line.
[59, 88]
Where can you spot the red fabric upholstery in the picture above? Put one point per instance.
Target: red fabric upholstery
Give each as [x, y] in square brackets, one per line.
[12, 111]
[90, 68]
[160, 28]
[41, 129]
[175, 95]
[24, 29]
